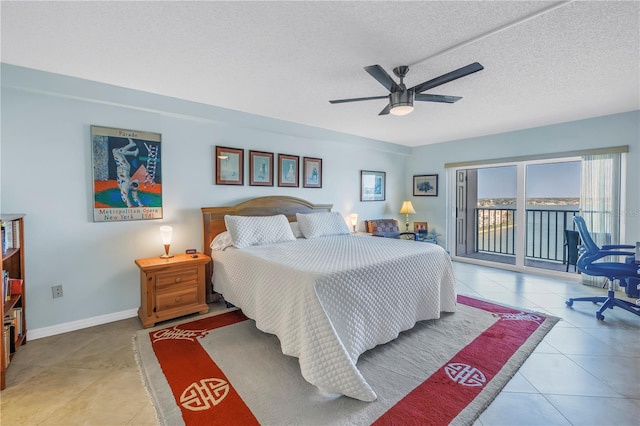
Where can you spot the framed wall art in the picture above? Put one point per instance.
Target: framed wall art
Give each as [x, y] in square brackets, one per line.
[229, 166]
[311, 172]
[260, 168]
[425, 185]
[288, 170]
[421, 226]
[127, 174]
[372, 185]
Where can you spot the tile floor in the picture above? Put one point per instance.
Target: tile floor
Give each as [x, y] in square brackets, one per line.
[585, 372]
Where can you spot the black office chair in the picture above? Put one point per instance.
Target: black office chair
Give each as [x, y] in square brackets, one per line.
[587, 263]
[571, 243]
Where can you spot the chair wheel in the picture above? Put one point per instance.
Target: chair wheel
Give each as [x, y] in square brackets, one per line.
[569, 302]
[599, 316]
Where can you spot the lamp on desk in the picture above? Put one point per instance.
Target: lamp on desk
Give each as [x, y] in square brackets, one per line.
[166, 233]
[407, 208]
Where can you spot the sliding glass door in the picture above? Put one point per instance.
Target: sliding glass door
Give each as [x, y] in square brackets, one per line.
[516, 214]
[485, 213]
[552, 193]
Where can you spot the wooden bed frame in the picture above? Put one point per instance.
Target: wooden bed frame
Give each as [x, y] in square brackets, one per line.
[213, 218]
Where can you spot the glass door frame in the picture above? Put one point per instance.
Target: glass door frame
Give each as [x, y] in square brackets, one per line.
[521, 206]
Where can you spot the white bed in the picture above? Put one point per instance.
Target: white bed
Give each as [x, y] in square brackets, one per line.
[331, 298]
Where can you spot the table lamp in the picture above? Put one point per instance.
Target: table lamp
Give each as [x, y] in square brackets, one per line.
[407, 208]
[165, 233]
[354, 221]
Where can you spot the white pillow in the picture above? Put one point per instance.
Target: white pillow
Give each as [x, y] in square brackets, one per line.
[249, 231]
[316, 225]
[221, 241]
[295, 228]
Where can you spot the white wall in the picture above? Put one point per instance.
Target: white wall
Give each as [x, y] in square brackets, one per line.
[46, 173]
[600, 132]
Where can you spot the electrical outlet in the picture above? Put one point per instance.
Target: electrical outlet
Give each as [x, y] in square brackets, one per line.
[57, 291]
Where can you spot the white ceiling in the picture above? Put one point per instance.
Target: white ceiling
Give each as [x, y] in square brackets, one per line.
[568, 61]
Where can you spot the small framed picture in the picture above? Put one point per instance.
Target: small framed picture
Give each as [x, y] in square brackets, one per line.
[372, 185]
[229, 166]
[312, 172]
[425, 185]
[288, 170]
[260, 168]
[421, 227]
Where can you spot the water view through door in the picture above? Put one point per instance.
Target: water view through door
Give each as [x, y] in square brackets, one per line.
[491, 202]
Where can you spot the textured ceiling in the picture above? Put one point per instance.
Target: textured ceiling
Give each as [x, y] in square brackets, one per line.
[545, 62]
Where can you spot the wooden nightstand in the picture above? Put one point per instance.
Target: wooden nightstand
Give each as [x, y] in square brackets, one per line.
[172, 287]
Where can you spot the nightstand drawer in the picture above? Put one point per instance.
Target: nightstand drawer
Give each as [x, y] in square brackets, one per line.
[171, 278]
[179, 296]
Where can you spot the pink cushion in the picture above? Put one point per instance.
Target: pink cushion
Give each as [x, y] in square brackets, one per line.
[381, 226]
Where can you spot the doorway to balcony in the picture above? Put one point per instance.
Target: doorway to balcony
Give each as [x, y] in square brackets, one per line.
[516, 214]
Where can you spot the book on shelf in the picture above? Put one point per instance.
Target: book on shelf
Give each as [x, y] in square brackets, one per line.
[15, 235]
[14, 319]
[6, 291]
[10, 235]
[18, 316]
[7, 347]
[15, 286]
[11, 336]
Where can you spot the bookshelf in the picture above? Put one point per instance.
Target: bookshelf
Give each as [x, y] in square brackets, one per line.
[14, 329]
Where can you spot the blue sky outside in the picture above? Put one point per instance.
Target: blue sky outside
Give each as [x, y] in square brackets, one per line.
[552, 180]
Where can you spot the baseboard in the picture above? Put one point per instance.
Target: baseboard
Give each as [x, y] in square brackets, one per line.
[66, 327]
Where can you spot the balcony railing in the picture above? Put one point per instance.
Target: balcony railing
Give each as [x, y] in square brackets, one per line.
[544, 234]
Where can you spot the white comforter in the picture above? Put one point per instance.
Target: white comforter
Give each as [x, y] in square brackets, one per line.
[332, 298]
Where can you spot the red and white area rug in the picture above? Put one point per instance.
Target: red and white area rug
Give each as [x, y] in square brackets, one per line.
[221, 370]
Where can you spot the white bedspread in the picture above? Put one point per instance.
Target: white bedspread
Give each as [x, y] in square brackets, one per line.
[332, 298]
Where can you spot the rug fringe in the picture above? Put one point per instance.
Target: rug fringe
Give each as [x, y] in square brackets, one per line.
[143, 379]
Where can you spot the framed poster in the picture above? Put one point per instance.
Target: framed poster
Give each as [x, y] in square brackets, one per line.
[425, 185]
[260, 168]
[229, 166]
[311, 172]
[127, 174]
[372, 185]
[288, 170]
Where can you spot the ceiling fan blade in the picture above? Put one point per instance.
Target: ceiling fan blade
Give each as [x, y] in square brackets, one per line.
[436, 98]
[383, 78]
[446, 78]
[386, 110]
[340, 101]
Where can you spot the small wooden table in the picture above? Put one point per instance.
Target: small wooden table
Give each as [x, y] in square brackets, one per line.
[170, 288]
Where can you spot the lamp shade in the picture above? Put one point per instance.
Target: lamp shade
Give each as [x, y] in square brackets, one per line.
[354, 219]
[165, 233]
[407, 208]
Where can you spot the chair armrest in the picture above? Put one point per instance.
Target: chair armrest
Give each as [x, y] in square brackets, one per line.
[606, 253]
[614, 247]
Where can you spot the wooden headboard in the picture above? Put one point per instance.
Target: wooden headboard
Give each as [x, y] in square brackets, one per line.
[213, 217]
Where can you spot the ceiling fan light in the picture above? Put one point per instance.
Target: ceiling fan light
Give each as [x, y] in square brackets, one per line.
[401, 109]
[401, 102]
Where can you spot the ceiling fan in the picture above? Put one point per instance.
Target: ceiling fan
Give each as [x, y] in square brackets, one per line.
[400, 98]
